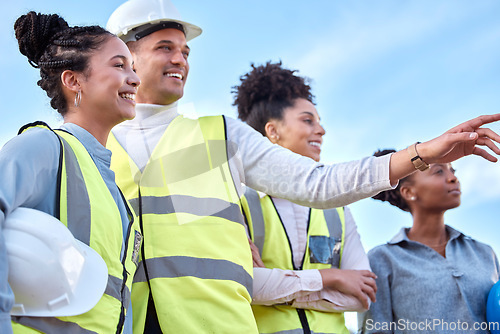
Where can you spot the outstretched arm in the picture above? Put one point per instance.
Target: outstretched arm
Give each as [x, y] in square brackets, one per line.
[456, 143]
[278, 172]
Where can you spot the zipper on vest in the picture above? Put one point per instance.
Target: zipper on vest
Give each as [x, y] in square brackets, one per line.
[301, 312]
[121, 321]
[124, 283]
[286, 234]
[303, 320]
[152, 324]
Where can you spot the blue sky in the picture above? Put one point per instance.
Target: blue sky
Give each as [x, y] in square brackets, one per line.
[385, 73]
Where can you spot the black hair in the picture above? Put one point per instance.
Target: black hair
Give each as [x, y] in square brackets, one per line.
[393, 196]
[266, 91]
[53, 47]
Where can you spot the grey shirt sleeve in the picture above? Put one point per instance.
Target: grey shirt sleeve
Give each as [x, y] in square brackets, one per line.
[28, 165]
[279, 172]
[28, 170]
[379, 316]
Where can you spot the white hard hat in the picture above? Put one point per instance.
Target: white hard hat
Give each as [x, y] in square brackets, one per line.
[50, 272]
[135, 19]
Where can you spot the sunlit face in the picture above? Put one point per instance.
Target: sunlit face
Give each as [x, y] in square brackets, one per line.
[437, 188]
[161, 61]
[109, 88]
[300, 130]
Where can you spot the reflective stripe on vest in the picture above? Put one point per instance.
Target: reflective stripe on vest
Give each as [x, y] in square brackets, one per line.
[188, 204]
[77, 197]
[113, 289]
[88, 209]
[78, 201]
[196, 252]
[259, 230]
[332, 218]
[48, 325]
[296, 331]
[178, 266]
[324, 249]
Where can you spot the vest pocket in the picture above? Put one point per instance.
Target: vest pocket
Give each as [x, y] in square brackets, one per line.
[326, 250]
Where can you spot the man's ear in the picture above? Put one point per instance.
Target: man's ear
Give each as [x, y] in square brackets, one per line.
[71, 80]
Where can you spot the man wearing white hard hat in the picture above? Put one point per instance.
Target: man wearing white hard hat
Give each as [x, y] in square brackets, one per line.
[184, 177]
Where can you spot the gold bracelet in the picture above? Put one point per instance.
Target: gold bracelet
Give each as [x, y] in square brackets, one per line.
[417, 161]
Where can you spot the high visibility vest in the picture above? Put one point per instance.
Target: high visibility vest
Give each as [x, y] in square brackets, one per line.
[325, 244]
[89, 211]
[196, 262]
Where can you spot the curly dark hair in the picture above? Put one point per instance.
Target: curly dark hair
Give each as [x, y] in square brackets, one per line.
[53, 47]
[266, 91]
[393, 196]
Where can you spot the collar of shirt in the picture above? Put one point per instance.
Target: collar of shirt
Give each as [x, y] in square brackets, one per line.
[151, 115]
[402, 235]
[95, 149]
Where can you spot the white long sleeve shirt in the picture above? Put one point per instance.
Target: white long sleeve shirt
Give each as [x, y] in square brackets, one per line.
[304, 288]
[263, 166]
[278, 172]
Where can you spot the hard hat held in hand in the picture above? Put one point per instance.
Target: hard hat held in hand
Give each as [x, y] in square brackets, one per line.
[134, 17]
[50, 272]
[493, 309]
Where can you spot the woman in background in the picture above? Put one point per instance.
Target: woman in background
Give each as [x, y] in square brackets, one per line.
[313, 266]
[87, 73]
[430, 273]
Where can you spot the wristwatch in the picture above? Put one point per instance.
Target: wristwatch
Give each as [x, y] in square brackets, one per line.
[417, 161]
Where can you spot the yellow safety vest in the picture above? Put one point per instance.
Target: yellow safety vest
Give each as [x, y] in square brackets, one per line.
[89, 211]
[196, 262]
[325, 244]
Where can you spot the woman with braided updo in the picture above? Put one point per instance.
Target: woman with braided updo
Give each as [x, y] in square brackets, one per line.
[312, 260]
[430, 273]
[87, 73]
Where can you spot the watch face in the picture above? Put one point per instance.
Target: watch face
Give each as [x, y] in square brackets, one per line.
[417, 161]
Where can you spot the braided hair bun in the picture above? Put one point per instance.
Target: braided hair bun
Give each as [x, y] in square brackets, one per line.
[34, 33]
[393, 196]
[53, 47]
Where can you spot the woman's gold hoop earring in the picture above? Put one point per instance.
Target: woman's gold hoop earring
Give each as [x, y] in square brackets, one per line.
[78, 98]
